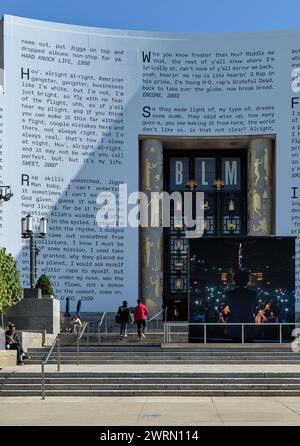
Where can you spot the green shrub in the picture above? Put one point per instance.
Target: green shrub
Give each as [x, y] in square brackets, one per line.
[45, 284]
[10, 281]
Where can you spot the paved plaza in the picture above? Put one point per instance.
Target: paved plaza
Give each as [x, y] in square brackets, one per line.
[143, 411]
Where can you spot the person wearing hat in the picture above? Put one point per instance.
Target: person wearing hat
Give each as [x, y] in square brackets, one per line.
[12, 342]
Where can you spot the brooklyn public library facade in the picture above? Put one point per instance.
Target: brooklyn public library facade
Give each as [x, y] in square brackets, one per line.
[83, 110]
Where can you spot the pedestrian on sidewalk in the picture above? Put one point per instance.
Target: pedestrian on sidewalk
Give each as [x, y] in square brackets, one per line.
[140, 317]
[124, 318]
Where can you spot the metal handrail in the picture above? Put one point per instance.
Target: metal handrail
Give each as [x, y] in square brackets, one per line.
[78, 339]
[100, 324]
[168, 325]
[164, 311]
[157, 314]
[43, 364]
[83, 330]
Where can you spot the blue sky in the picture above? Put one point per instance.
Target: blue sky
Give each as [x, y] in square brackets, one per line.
[163, 15]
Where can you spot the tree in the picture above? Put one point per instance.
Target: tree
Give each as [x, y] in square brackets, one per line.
[10, 281]
[45, 284]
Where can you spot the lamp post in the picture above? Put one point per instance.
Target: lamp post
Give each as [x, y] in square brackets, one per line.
[5, 193]
[27, 232]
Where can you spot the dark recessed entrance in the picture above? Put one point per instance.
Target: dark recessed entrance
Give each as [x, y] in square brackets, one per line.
[222, 176]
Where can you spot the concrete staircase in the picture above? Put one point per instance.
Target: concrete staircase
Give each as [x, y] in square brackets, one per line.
[151, 384]
[140, 353]
[150, 381]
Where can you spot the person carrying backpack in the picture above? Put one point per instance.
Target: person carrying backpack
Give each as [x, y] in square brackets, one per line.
[124, 317]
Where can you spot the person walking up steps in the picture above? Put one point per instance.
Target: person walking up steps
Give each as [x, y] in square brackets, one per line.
[140, 317]
[124, 318]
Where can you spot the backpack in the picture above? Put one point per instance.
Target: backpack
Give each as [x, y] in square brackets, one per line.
[118, 316]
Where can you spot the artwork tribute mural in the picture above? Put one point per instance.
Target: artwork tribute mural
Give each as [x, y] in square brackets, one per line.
[242, 280]
[75, 102]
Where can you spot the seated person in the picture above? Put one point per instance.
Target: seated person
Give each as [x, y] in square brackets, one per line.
[12, 342]
[76, 324]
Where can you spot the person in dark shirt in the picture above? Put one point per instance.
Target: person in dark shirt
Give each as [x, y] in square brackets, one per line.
[12, 342]
[241, 301]
[125, 318]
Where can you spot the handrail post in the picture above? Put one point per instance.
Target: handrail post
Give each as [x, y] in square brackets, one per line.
[78, 351]
[100, 325]
[106, 323]
[280, 334]
[43, 364]
[204, 333]
[43, 381]
[58, 353]
[243, 334]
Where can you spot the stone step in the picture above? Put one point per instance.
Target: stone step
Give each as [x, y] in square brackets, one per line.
[167, 361]
[103, 354]
[146, 349]
[158, 374]
[153, 387]
[162, 359]
[186, 347]
[164, 352]
[164, 392]
[150, 354]
[141, 346]
[148, 381]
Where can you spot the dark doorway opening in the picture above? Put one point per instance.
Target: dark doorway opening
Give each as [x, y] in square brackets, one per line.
[222, 176]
